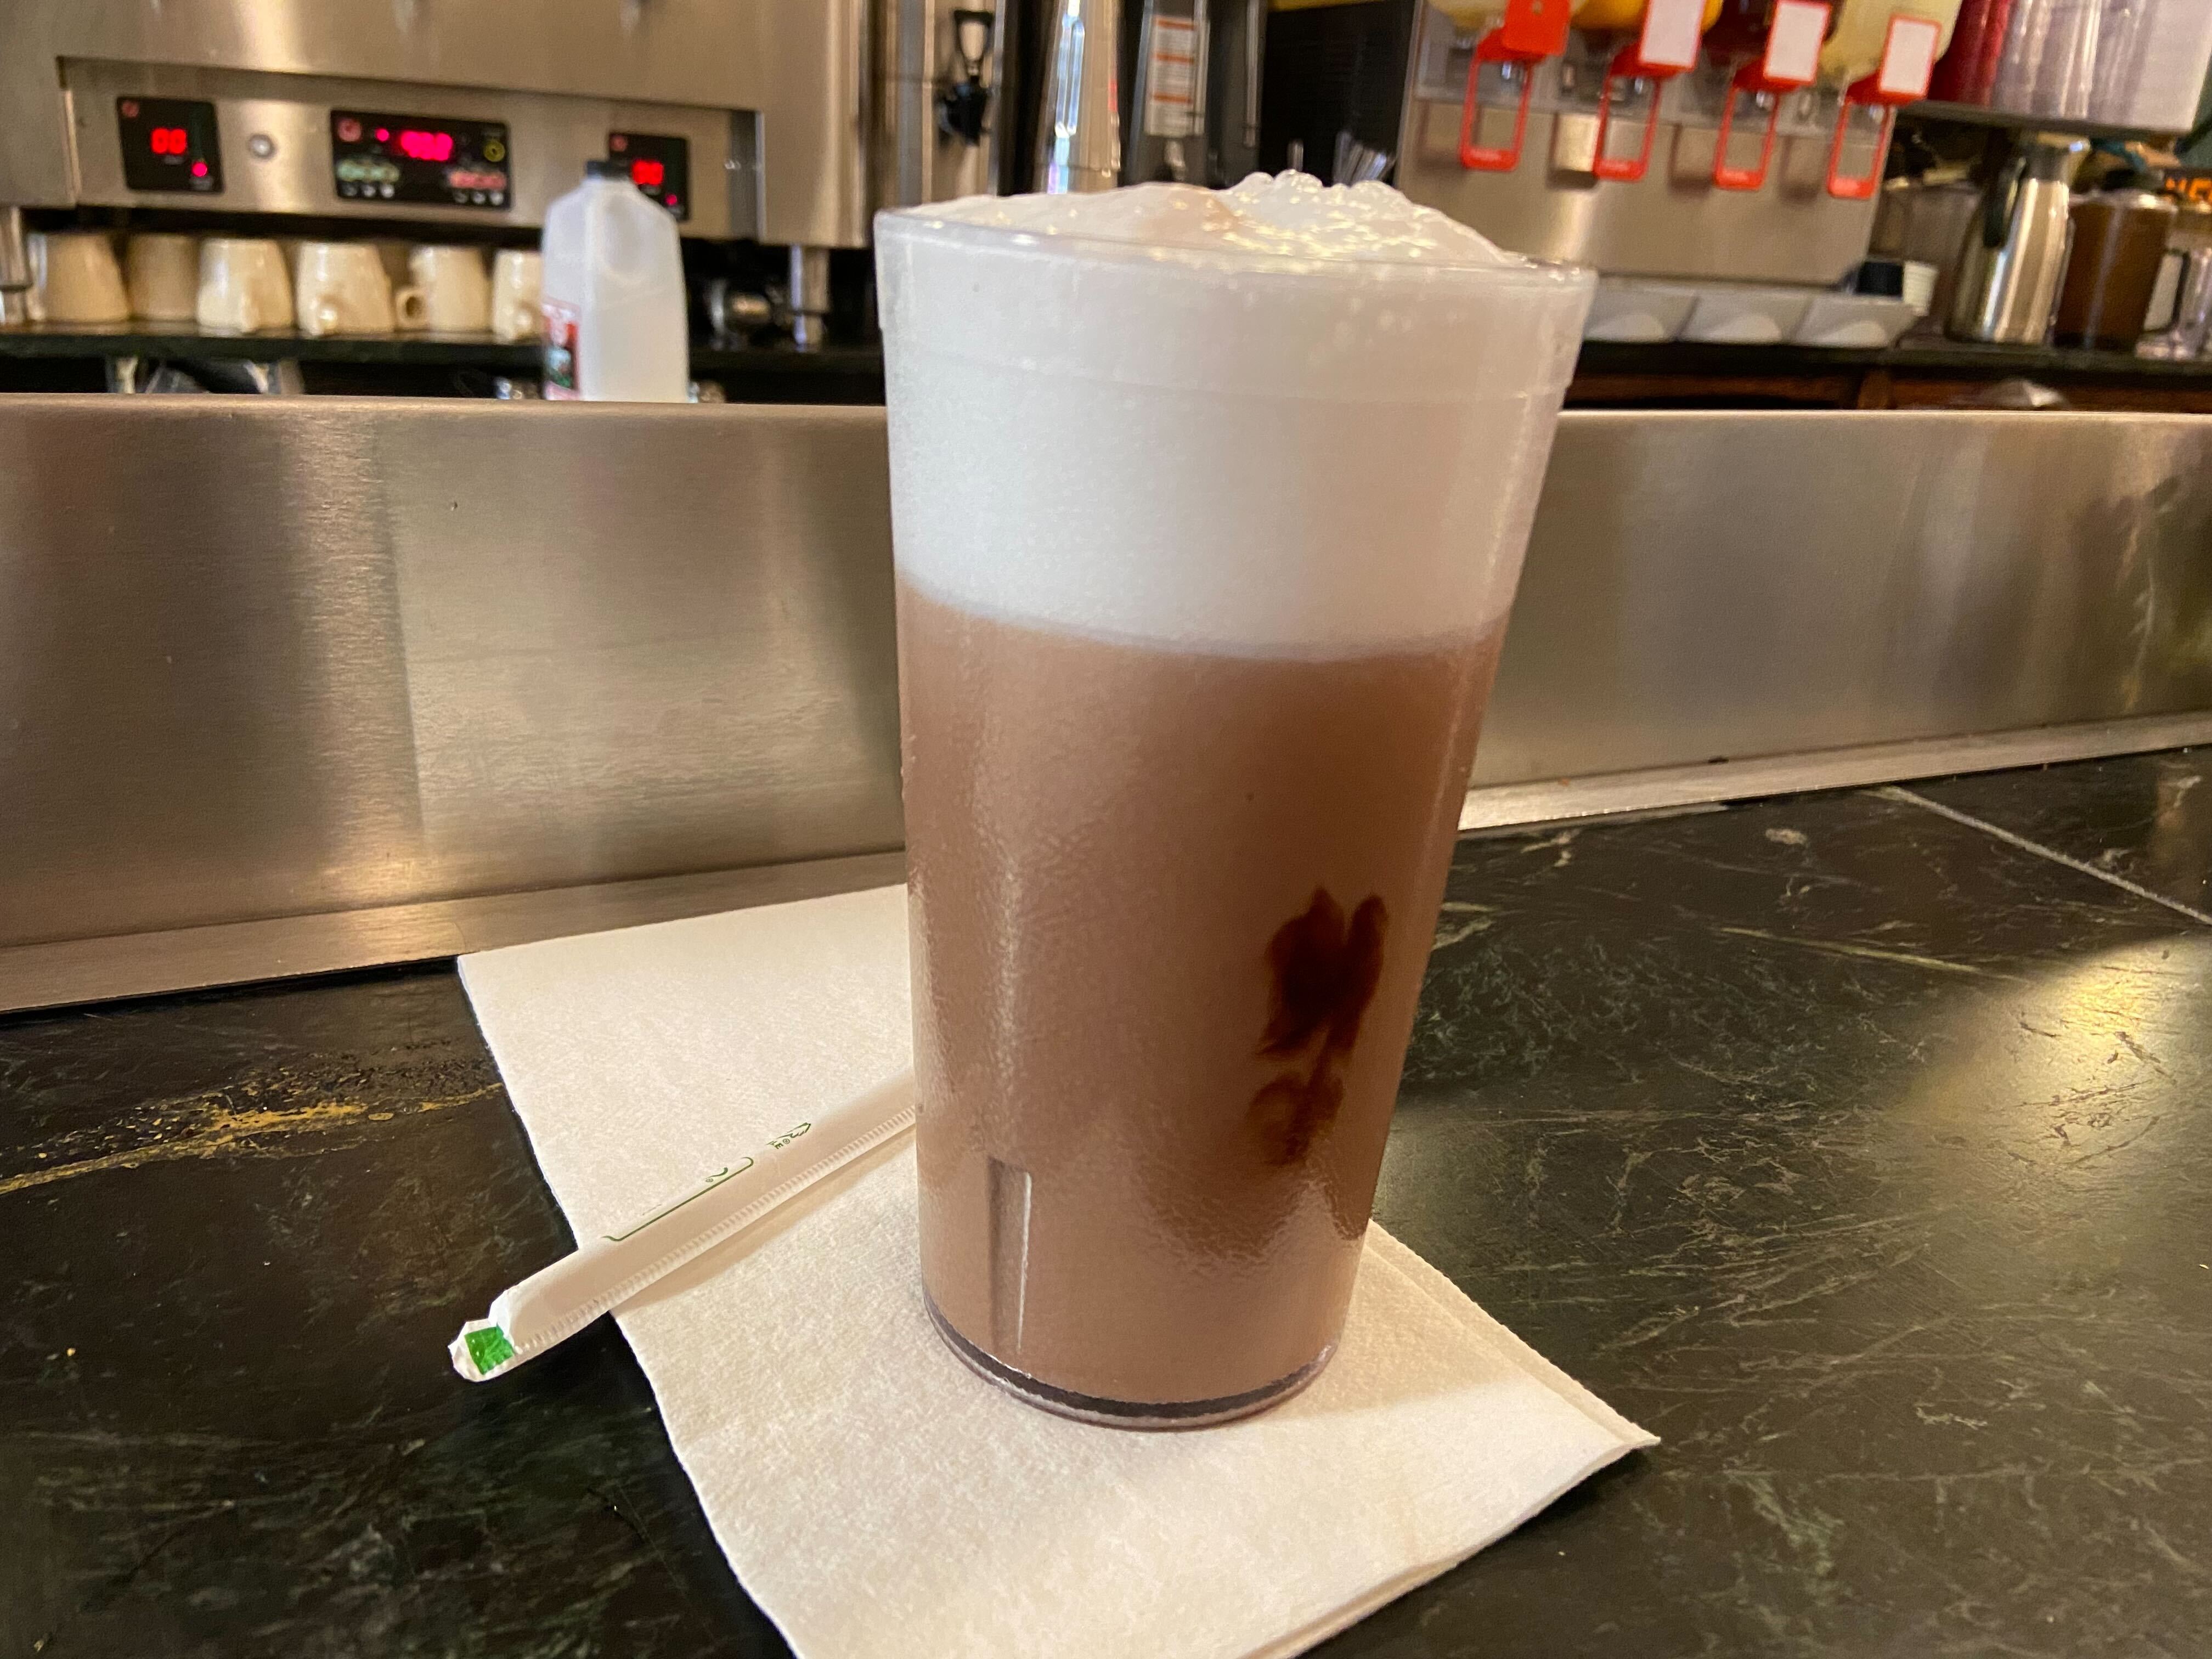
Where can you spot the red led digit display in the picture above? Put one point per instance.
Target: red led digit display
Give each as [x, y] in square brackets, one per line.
[426, 146]
[169, 144]
[659, 165]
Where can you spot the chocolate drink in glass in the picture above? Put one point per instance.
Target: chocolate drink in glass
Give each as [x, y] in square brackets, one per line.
[1208, 508]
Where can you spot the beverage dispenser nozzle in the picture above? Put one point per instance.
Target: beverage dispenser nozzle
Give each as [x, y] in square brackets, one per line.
[1787, 59]
[1526, 33]
[1914, 35]
[964, 105]
[1665, 45]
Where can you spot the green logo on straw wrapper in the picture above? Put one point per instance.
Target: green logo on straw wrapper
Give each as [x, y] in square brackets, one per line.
[488, 1348]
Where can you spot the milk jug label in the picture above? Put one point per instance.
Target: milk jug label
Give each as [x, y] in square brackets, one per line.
[562, 322]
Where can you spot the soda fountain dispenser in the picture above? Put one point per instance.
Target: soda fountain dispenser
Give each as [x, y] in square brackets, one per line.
[1631, 143]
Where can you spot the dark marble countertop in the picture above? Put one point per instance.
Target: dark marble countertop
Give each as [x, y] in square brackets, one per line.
[1857, 1144]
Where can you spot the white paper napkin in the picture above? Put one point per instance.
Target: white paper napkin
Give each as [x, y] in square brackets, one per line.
[875, 1497]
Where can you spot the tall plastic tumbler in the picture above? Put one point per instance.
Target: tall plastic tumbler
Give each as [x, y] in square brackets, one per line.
[1208, 509]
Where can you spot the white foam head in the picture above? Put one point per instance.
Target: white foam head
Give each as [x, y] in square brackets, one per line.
[1282, 417]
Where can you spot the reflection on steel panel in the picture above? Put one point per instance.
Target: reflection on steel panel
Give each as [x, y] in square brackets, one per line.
[377, 653]
[1714, 586]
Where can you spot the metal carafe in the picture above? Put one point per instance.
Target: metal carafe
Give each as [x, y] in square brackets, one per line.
[1079, 119]
[2014, 254]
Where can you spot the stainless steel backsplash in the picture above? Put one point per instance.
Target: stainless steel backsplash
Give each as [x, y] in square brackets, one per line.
[1728, 585]
[286, 658]
[371, 653]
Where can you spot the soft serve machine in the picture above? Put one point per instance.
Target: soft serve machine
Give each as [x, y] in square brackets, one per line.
[1682, 139]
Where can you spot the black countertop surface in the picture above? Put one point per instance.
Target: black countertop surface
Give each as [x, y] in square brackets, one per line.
[1856, 1143]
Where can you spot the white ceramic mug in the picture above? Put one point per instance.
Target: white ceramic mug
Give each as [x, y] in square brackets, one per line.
[162, 272]
[339, 288]
[518, 277]
[74, 278]
[449, 295]
[244, 287]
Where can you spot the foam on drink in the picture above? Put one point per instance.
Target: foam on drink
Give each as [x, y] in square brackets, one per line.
[1292, 337]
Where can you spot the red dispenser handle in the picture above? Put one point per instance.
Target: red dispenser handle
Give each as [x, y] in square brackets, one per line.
[1859, 187]
[1908, 57]
[1791, 59]
[1530, 31]
[1667, 45]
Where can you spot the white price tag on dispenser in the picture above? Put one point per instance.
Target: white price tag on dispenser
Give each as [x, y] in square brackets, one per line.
[1908, 57]
[1671, 28]
[1793, 43]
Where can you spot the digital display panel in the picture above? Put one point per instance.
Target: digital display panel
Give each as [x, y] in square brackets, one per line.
[425, 146]
[169, 144]
[436, 160]
[659, 165]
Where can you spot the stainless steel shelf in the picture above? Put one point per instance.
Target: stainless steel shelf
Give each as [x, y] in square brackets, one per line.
[1913, 353]
[1976, 115]
[175, 340]
[140, 338]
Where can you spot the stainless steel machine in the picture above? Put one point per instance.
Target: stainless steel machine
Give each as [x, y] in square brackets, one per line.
[1136, 91]
[939, 68]
[775, 123]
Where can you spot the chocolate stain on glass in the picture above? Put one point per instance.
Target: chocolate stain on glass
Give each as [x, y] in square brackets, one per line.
[1325, 973]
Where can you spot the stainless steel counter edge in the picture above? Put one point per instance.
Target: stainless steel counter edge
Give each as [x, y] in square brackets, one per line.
[1524, 806]
[283, 947]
